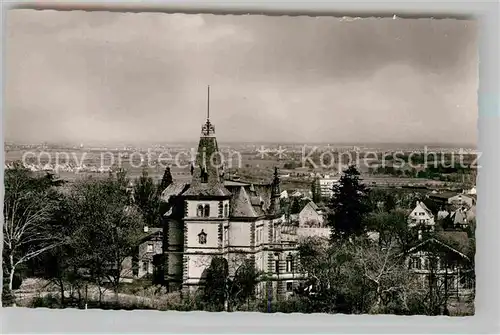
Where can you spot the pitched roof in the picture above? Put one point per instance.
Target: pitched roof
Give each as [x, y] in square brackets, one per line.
[459, 217]
[442, 214]
[313, 205]
[458, 240]
[442, 243]
[206, 167]
[424, 208]
[150, 233]
[174, 189]
[444, 195]
[234, 183]
[241, 205]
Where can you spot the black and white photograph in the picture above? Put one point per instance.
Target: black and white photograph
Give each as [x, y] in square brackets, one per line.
[240, 163]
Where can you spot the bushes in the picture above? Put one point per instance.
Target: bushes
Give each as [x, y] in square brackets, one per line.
[7, 296]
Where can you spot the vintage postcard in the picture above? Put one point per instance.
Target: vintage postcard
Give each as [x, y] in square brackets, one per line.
[240, 163]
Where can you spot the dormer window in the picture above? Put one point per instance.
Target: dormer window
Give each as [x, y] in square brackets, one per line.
[204, 175]
[202, 237]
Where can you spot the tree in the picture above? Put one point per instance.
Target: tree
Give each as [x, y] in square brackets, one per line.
[29, 205]
[389, 203]
[355, 276]
[392, 228]
[333, 282]
[316, 192]
[109, 227]
[166, 180]
[223, 291]
[147, 199]
[215, 291]
[348, 205]
[295, 206]
[390, 281]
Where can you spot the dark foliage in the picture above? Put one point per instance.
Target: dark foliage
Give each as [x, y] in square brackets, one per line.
[348, 205]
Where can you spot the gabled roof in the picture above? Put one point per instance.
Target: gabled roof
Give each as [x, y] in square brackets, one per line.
[440, 243]
[312, 205]
[424, 208]
[443, 214]
[459, 217]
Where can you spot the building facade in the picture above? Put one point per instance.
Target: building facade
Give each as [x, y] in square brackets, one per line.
[326, 186]
[215, 217]
[421, 216]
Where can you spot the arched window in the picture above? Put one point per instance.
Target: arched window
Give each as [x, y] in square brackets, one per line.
[207, 211]
[202, 237]
[199, 211]
[226, 210]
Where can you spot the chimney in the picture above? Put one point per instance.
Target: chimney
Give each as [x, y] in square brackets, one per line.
[420, 235]
[146, 229]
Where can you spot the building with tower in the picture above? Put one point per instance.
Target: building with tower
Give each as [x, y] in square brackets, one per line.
[216, 216]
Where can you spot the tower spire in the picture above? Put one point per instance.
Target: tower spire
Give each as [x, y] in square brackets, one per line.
[208, 102]
[208, 129]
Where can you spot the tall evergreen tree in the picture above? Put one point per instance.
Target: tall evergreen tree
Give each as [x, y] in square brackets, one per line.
[316, 192]
[166, 180]
[147, 199]
[348, 205]
[389, 203]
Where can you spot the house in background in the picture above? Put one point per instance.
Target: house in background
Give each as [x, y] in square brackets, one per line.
[442, 199]
[146, 259]
[444, 263]
[326, 186]
[463, 199]
[471, 191]
[311, 216]
[422, 217]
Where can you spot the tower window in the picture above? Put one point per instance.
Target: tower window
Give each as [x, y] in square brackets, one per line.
[226, 210]
[207, 211]
[276, 263]
[202, 237]
[289, 263]
[199, 211]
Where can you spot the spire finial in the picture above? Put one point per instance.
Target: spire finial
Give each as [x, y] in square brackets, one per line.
[208, 129]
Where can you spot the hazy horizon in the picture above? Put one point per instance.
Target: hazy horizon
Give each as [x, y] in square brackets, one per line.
[76, 76]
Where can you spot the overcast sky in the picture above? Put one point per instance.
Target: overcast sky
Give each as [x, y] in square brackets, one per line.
[82, 76]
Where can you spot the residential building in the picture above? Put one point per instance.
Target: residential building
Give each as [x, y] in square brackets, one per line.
[326, 186]
[422, 217]
[462, 199]
[444, 263]
[147, 257]
[311, 216]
